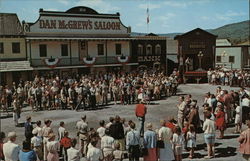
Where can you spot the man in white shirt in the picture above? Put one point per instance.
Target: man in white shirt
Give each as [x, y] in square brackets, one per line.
[73, 153]
[101, 129]
[181, 108]
[10, 149]
[61, 130]
[94, 153]
[36, 142]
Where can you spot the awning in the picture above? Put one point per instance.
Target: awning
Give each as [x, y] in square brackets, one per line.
[172, 58]
[12, 66]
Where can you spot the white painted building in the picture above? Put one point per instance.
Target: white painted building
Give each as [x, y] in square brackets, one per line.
[79, 40]
[233, 57]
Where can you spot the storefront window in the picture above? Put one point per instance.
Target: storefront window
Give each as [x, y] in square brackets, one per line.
[140, 50]
[100, 49]
[218, 59]
[15, 47]
[118, 49]
[158, 49]
[43, 50]
[149, 50]
[1, 48]
[231, 59]
[64, 49]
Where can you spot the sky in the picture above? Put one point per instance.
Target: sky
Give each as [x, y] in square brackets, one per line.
[165, 16]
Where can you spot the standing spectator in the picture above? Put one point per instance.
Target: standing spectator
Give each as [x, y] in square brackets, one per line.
[191, 140]
[2, 137]
[36, 144]
[107, 145]
[38, 127]
[52, 147]
[73, 153]
[245, 108]
[220, 121]
[140, 113]
[65, 144]
[111, 121]
[132, 143]
[150, 143]
[94, 154]
[178, 141]
[11, 149]
[117, 132]
[209, 135]
[82, 127]
[101, 129]
[181, 108]
[244, 140]
[28, 128]
[46, 130]
[61, 131]
[238, 118]
[117, 153]
[27, 154]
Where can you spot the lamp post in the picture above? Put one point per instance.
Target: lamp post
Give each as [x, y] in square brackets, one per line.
[223, 55]
[200, 55]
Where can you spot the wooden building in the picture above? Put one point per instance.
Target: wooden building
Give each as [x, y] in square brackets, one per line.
[150, 51]
[192, 43]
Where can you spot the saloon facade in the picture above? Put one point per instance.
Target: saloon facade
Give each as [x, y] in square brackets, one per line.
[79, 40]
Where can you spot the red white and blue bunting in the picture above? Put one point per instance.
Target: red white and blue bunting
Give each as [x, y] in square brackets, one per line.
[89, 61]
[123, 59]
[51, 63]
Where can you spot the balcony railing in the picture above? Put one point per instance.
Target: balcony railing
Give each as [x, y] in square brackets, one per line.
[77, 62]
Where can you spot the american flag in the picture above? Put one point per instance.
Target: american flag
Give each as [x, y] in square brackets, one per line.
[147, 16]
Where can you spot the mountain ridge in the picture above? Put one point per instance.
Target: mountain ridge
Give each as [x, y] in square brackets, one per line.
[237, 33]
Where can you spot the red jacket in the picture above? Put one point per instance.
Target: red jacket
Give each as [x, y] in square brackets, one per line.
[65, 142]
[140, 110]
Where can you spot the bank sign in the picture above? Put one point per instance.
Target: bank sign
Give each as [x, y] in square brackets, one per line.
[78, 25]
[149, 58]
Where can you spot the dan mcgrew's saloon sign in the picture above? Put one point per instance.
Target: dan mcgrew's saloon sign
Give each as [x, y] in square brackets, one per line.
[78, 25]
[85, 25]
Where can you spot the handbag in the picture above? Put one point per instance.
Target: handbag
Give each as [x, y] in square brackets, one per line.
[160, 144]
[143, 151]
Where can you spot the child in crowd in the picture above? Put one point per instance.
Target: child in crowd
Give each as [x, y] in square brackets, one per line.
[220, 121]
[57, 102]
[118, 154]
[65, 143]
[238, 118]
[178, 141]
[44, 101]
[191, 140]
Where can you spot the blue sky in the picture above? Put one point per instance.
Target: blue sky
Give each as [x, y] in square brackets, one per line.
[166, 16]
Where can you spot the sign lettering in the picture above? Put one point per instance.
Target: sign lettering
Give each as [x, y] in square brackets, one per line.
[148, 58]
[81, 25]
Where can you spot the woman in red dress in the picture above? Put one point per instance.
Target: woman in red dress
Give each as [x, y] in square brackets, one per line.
[220, 121]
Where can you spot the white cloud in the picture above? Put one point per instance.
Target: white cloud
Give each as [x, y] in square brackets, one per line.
[229, 15]
[150, 6]
[184, 3]
[100, 6]
[164, 19]
[64, 2]
[205, 18]
[166, 16]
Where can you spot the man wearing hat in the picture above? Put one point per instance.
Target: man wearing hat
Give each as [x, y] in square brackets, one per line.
[140, 112]
[82, 127]
[11, 149]
[28, 128]
[36, 142]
